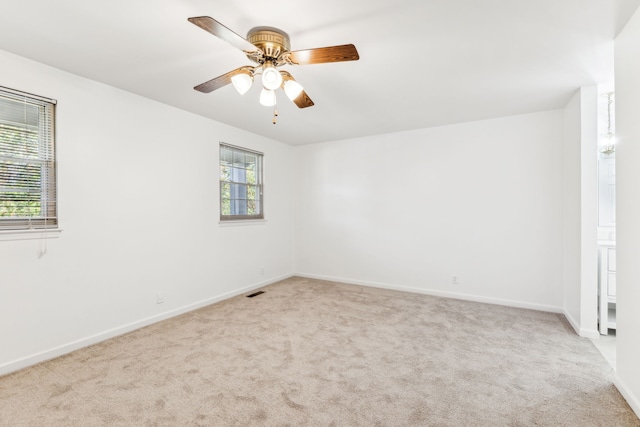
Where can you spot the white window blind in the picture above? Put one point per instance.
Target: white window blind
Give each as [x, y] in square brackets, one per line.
[241, 195]
[28, 197]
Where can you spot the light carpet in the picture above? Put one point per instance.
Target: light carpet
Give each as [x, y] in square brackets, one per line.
[316, 353]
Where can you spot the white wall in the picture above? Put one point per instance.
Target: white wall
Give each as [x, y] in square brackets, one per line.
[580, 212]
[138, 202]
[627, 63]
[480, 200]
[588, 212]
[572, 209]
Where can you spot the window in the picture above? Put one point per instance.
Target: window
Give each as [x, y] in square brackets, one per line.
[27, 162]
[240, 183]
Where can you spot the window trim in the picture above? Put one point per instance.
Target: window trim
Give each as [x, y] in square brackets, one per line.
[235, 219]
[48, 222]
[35, 234]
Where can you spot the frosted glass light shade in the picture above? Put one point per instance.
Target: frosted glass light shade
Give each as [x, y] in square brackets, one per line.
[267, 98]
[242, 82]
[271, 77]
[292, 88]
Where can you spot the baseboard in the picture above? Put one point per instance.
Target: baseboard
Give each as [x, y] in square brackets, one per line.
[632, 399]
[438, 293]
[593, 334]
[43, 356]
[572, 321]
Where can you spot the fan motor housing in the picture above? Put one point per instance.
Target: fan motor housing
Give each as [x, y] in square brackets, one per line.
[272, 41]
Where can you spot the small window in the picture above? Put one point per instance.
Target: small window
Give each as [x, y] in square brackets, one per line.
[240, 183]
[27, 162]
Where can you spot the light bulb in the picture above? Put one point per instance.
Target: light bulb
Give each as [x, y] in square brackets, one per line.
[271, 77]
[292, 88]
[242, 82]
[267, 98]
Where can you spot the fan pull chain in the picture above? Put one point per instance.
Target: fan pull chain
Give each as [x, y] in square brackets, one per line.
[275, 115]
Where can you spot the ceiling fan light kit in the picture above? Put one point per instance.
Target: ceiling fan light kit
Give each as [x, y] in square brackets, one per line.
[242, 82]
[292, 89]
[267, 97]
[271, 78]
[269, 48]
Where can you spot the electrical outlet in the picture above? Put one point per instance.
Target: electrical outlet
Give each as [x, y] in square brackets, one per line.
[454, 280]
[262, 271]
[160, 298]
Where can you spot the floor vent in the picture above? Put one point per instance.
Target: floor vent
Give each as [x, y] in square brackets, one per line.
[255, 294]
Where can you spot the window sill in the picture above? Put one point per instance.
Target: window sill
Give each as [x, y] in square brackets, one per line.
[239, 222]
[29, 234]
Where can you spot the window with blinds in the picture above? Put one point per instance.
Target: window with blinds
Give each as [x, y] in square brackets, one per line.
[27, 162]
[240, 183]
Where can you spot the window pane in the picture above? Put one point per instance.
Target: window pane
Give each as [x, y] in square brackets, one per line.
[238, 175]
[238, 191]
[226, 157]
[238, 207]
[225, 206]
[258, 202]
[19, 142]
[225, 173]
[225, 190]
[251, 177]
[239, 159]
[251, 160]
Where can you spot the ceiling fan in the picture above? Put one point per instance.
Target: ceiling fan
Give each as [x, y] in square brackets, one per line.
[269, 48]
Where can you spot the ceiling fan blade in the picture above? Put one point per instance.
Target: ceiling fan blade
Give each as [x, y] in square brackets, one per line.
[346, 52]
[303, 100]
[217, 29]
[222, 80]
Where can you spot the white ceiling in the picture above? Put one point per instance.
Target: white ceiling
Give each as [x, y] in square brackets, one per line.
[423, 63]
